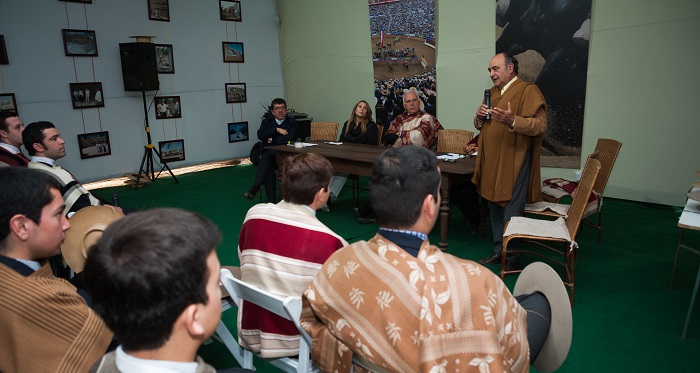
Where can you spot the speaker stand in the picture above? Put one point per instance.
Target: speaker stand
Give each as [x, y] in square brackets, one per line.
[148, 159]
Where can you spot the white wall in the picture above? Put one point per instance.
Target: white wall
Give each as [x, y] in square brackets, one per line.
[39, 74]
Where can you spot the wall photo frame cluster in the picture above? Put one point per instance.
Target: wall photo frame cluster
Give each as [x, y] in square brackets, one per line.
[94, 144]
[87, 95]
[233, 52]
[8, 103]
[230, 10]
[168, 107]
[236, 92]
[79, 43]
[3, 52]
[159, 10]
[238, 131]
[165, 63]
[172, 150]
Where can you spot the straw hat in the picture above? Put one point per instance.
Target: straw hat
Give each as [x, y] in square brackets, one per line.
[86, 228]
[539, 277]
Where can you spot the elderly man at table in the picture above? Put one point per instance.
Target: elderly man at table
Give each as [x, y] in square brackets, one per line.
[413, 127]
[281, 247]
[276, 129]
[507, 172]
[402, 304]
[11, 128]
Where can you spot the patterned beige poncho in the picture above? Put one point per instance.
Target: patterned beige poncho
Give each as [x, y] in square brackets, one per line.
[433, 313]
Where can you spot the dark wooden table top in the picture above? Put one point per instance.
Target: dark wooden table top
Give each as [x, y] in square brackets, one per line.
[367, 154]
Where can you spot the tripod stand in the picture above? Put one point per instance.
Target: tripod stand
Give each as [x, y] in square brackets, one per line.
[148, 151]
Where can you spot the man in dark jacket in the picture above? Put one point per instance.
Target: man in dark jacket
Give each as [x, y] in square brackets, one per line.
[276, 130]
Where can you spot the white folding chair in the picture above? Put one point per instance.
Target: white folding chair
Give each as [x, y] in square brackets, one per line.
[288, 308]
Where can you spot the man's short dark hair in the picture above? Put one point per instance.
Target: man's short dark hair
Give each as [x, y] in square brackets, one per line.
[34, 133]
[3, 117]
[509, 58]
[401, 179]
[278, 101]
[23, 191]
[303, 175]
[146, 269]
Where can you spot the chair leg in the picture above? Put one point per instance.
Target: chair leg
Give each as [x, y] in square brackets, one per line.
[690, 308]
[675, 260]
[569, 260]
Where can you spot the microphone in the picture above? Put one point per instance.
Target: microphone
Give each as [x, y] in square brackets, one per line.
[487, 101]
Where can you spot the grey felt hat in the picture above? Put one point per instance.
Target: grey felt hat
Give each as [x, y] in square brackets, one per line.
[539, 277]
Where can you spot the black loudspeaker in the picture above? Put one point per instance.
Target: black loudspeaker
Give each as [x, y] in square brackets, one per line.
[139, 66]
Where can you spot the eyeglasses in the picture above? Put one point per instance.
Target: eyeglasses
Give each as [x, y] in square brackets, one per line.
[279, 108]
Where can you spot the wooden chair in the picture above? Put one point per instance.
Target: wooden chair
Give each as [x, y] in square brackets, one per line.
[324, 131]
[561, 230]
[607, 151]
[379, 134]
[453, 141]
[288, 308]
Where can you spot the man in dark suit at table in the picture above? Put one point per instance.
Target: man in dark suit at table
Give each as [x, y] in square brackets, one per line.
[277, 129]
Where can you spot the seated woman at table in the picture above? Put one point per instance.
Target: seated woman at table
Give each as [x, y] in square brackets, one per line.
[359, 129]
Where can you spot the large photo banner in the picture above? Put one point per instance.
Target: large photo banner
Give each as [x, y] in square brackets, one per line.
[550, 40]
[403, 54]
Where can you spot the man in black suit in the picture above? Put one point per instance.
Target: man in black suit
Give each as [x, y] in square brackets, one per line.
[276, 130]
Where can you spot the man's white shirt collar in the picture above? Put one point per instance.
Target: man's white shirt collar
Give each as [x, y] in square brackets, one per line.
[508, 85]
[279, 122]
[50, 161]
[132, 364]
[10, 148]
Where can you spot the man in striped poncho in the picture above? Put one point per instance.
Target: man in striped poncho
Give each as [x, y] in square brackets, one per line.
[281, 247]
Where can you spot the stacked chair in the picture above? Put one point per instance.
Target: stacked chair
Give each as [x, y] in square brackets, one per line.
[453, 141]
[544, 233]
[606, 151]
[288, 308]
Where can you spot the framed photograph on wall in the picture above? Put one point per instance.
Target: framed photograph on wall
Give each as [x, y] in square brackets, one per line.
[172, 150]
[159, 10]
[238, 131]
[235, 92]
[3, 52]
[80, 42]
[230, 10]
[164, 59]
[168, 107]
[94, 144]
[86, 95]
[8, 102]
[233, 52]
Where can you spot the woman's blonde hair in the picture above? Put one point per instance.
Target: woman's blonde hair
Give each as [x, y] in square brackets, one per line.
[365, 120]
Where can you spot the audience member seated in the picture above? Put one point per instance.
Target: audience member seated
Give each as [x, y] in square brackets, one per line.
[45, 146]
[359, 129]
[154, 278]
[402, 304]
[11, 128]
[45, 325]
[281, 247]
[277, 129]
[413, 127]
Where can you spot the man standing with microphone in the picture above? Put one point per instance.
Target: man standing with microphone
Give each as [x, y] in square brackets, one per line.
[512, 121]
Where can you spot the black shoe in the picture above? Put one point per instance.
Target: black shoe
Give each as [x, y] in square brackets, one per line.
[511, 265]
[250, 194]
[366, 220]
[493, 259]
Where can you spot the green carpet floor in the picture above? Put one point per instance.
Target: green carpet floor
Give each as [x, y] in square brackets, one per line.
[625, 318]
